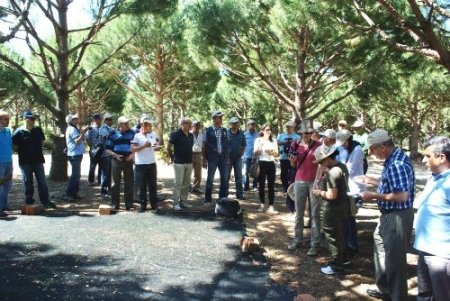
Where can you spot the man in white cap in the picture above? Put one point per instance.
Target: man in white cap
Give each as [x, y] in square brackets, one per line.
[329, 137]
[335, 206]
[251, 134]
[284, 141]
[6, 163]
[121, 152]
[237, 149]
[216, 156]
[395, 197]
[360, 135]
[75, 150]
[342, 125]
[432, 224]
[105, 161]
[144, 145]
[352, 155]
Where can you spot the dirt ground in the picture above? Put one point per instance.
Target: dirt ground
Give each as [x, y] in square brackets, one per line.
[290, 268]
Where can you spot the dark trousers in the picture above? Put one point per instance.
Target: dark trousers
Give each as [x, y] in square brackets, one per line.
[95, 161]
[433, 277]
[220, 162]
[27, 175]
[286, 173]
[74, 181]
[350, 233]
[246, 170]
[105, 167]
[117, 168]
[332, 228]
[266, 170]
[146, 179]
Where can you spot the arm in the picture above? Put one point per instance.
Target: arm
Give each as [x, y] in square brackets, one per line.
[401, 196]
[80, 138]
[169, 151]
[329, 195]
[355, 160]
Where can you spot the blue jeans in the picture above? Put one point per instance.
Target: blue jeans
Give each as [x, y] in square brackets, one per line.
[5, 170]
[222, 163]
[27, 175]
[236, 164]
[74, 180]
[105, 171]
[245, 171]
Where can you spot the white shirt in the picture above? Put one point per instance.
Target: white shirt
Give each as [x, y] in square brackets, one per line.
[263, 145]
[146, 155]
[198, 142]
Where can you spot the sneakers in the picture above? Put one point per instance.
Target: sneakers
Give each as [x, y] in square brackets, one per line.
[329, 270]
[312, 251]
[197, 190]
[241, 198]
[261, 208]
[3, 214]
[374, 293]
[207, 204]
[176, 207]
[272, 210]
[294, 245]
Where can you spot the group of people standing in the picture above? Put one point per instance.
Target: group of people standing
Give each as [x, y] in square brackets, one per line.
[325, 169]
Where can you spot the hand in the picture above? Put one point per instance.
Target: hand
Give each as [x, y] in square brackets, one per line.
[368, 196]
[118, 157]
[157, 147]
[205, 164]
[85, 128]
[316, 192]
[129, 158]
[148, 143]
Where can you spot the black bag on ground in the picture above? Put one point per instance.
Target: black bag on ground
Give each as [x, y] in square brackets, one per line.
[227, 207]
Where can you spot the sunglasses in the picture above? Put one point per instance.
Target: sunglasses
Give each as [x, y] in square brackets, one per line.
[308, 133]
[108, 119]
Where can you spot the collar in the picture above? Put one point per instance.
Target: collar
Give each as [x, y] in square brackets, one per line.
[394, 153]
[442, 175]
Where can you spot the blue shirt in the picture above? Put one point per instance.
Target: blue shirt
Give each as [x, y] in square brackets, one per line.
[250, 141]
[237, 143]
[120, 142]
[397, 176]
[93, 136]
[284, 141]
[73, 149]
[104, 132]
[433, 217]
[5, 146]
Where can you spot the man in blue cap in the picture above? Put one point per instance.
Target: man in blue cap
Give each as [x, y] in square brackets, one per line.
[28, 141]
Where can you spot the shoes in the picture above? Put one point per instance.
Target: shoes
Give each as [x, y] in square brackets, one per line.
[261, 208]
[374, 293]
[312, 252]
[3, 214]
[197, 190]
[176, 207]
[128, 208]
[272, 210]
[30, 201]
[142, 209]
[116, 207]
[329, 270]
[241, 198]
[184, 205]
[255, 189]
[91, 184]
[294, 245]
[207, 204]
[50, 205]
[70, 199]
[155, 210]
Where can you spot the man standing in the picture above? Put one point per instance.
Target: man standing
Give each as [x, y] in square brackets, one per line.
[197, 155]
[395, 196]
[105, 160]
[145, 143]
[284, 141]
[181, 157]
[28, 143]
[250, 136]
[6, 166]
[237, 149]
[75, 150]
[433, 224]
[216, 155]
[119, 148]
[95, 149]
[361, 136]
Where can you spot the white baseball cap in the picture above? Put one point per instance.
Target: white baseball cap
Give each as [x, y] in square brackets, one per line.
[342, 136]
[358, 124]
[330, 133]
[234, 120]
[377, 137]
[71, 117]
[123, 119]
[323, 152]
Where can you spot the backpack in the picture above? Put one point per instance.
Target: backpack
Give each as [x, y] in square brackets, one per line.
[227, 207]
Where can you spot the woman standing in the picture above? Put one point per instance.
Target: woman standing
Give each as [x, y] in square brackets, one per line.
[266, 149]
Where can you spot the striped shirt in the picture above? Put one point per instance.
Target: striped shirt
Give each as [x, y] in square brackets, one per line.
[120, 142]
[397, 176]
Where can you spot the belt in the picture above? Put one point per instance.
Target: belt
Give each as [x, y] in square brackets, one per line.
[387, 211]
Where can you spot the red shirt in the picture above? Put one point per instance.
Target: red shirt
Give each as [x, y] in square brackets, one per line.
[308, 169]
